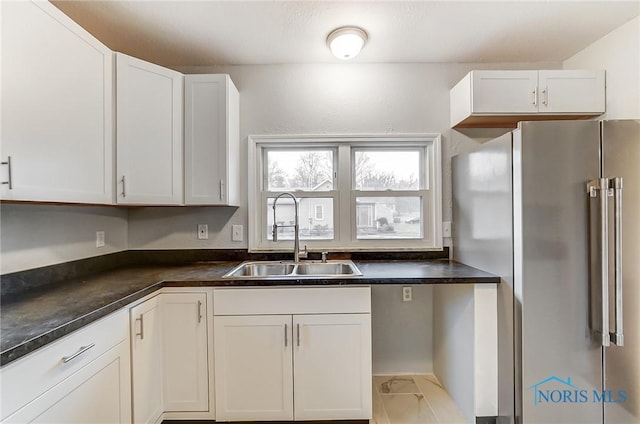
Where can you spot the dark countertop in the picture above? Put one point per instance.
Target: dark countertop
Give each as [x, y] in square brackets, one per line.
[44, 315]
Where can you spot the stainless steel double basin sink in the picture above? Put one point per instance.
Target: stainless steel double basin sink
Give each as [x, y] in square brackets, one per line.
[293, 270]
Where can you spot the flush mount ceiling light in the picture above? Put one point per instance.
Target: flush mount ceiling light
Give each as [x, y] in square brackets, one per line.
[346, 42]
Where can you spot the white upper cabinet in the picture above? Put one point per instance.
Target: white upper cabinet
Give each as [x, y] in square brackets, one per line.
[57, 108]
[211, 141]
[503, 91]
[149, 133]
[503, 98]
[571, 92]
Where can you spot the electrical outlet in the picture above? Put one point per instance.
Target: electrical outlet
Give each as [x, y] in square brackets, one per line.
[406, 294]
[446, 229]
[203, 231]
[99, 238]
[236, 232]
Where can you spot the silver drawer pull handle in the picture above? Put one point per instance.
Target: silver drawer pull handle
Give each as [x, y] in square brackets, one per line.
[141, 333]
[285, 335]
[82, 350]
[199, 311]
[8, 182]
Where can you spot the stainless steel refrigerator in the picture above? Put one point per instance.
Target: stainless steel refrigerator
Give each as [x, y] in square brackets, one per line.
[554, 209]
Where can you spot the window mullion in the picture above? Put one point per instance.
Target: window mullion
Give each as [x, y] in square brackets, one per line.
[344, 221]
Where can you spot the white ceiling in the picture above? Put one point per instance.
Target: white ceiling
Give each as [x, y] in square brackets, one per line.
[198, 33]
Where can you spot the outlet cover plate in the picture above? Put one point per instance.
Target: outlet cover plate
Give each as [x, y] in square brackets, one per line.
[203, 231]
[236, 232]
[100, 238]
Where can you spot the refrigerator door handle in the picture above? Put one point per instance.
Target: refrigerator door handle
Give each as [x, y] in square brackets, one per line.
[615, 184]
[600, 188]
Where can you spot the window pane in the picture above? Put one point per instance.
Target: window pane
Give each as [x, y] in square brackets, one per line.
[388, 217]
[387, 170]
[310, 170]
[315, 216]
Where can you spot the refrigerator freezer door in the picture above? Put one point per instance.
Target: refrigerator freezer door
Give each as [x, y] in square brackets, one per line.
[621, 158]
[559, 362]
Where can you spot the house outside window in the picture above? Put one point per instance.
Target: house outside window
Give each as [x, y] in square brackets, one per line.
[376, 192]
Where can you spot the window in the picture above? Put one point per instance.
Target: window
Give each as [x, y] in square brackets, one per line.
[368, 193]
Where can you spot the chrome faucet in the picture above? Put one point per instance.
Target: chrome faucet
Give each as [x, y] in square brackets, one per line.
[296, 240]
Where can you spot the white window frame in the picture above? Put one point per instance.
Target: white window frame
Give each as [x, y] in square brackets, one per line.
[344, 193]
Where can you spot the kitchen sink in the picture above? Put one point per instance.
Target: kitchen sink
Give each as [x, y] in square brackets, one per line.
[328, 268]
[257, 269]
[284, 269]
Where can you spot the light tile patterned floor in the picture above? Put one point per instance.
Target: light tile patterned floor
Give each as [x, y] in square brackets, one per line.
[413, 399]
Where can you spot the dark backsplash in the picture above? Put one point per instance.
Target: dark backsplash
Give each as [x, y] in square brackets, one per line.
[17, 283]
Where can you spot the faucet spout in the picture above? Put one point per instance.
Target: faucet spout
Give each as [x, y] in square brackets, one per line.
[296, 226]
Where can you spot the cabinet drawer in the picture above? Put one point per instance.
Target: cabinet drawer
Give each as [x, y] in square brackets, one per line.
[299, 300]
[27, 378]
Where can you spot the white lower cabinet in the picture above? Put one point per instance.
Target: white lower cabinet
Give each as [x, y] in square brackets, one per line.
[146, 361]
[83, 378]
[92, 395]
[254, 377]
[280, 354]
[185, 365]
[313, 363]
[170, 357]
[332, 367]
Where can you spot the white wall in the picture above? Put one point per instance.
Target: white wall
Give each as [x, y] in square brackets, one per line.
[401, 331]
[37, 235]
[619, 54]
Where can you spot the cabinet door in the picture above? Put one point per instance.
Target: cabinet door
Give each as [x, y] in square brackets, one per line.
[146, 364]
[99, 392]
[184, 354]
[332, 366]
[504, 92]
[149, 133]
[572, 91]
[253, 367]
[211, 140]
[57, 108]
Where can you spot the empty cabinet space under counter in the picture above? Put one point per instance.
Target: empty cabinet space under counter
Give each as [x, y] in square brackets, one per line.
[292, 353]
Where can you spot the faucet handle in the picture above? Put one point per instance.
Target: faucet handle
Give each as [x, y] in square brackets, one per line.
[304, 253]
